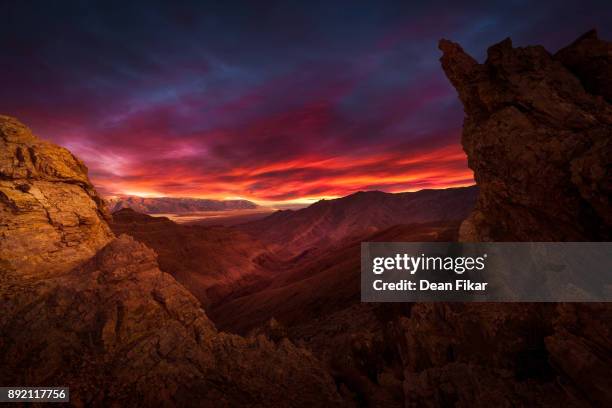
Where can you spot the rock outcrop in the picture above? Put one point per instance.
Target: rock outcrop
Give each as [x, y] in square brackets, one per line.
[117, 330]
[589, 58]
[537, 134]
[51, 218]
[108, 323]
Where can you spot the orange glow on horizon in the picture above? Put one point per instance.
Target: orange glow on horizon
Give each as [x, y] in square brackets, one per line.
[302, 180]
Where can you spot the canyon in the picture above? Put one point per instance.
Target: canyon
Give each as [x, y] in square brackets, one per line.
[93, 311]
[131, 309]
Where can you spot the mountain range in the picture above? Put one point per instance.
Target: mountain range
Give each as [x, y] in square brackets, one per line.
[329, 222]
[175, 205]
[215, 262]
[294, 284]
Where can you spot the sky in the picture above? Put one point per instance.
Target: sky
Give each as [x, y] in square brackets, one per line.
[276, 102]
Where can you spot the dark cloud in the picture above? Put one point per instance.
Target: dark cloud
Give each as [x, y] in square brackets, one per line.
[270, 100]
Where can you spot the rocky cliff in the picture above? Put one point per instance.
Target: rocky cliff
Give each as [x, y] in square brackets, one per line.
[537, 135]
[83, 309]
[51, 218]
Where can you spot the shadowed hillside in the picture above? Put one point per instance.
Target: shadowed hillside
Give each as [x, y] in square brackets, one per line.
[212, 262]
[330, 222]
[319, 285]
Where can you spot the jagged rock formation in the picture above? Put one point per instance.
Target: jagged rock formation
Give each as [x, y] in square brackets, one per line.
[116, 329]
[51, 218]
[589, 59]
[537, 135]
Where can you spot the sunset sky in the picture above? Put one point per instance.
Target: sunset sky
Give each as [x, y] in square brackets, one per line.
[269, 101]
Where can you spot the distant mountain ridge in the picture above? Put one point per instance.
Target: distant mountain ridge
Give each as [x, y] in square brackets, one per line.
[329, 222]
[167, 205]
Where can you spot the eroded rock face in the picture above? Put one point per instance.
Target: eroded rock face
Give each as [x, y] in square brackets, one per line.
[118, 330]
[51, 218]
[537, 134]
[589, 59]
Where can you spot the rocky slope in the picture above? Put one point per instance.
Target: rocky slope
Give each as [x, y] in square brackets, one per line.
[318, 285]
[212, 262]
[311, 299]
[176, 205]
[316, 303]
[537, 135]
[115, 329]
